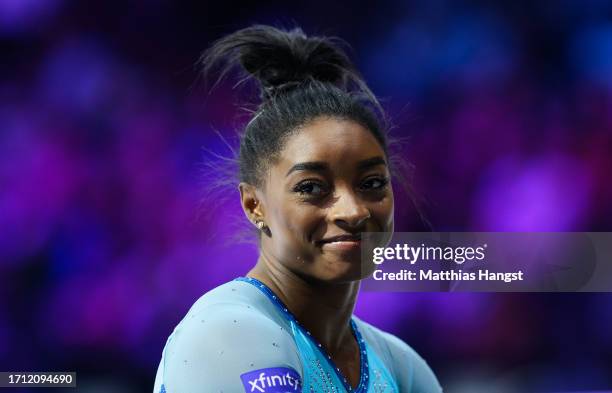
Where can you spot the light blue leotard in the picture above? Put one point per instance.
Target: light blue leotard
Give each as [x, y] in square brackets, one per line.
[240, 337]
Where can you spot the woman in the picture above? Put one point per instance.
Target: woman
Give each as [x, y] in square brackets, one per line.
[314, 174]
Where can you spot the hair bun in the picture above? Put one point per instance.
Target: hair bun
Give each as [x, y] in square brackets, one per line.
[280, 59]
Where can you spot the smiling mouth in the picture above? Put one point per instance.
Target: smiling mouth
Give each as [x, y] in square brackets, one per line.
[349, 238]
[341, 243]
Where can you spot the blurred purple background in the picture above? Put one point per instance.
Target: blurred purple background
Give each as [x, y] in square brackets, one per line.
[108, 231]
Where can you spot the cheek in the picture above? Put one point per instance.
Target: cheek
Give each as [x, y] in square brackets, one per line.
[383, 212]
[295, 228]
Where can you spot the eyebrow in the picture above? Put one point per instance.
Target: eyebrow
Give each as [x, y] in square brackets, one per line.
[320, 166]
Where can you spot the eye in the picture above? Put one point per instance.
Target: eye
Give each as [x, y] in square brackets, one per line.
[310, 187]
[374, 183]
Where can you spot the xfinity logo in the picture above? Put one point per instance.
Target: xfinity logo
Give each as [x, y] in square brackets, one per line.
[271, 380]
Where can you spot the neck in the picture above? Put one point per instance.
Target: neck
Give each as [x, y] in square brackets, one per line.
[322, 308]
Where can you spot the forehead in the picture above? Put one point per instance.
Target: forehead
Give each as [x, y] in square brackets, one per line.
[335, 141]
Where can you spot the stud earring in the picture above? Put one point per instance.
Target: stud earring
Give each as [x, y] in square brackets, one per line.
[261, 225]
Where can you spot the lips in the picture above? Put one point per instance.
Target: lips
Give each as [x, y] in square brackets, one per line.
[345, 242]
[342, 238]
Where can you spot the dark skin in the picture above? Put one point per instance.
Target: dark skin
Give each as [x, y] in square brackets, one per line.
[346, 191]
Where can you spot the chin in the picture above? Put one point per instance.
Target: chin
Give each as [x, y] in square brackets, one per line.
[342, 271]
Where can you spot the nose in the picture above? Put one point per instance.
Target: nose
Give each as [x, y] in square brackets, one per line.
[349, 211]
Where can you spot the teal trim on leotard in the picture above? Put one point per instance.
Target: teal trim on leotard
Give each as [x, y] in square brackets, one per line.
[306, 342]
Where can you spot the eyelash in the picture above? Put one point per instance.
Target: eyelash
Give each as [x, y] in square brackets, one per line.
[383, 180]
[300, 188]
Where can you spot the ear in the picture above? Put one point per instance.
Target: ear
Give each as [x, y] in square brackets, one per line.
[251, 204]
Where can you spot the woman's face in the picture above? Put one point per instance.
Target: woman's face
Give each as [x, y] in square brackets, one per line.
[331, 180]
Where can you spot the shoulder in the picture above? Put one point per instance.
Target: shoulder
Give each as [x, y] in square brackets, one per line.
[228, 333]
[227, 312]
[410, 369]
[237, 293]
